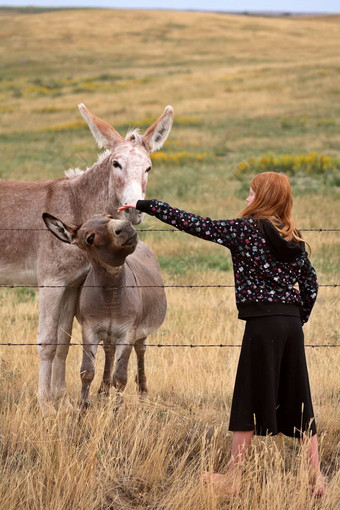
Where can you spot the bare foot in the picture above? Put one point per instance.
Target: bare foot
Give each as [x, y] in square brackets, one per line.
[223, 485]
[318, 486]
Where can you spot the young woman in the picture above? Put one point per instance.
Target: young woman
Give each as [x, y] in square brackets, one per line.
[271, 393]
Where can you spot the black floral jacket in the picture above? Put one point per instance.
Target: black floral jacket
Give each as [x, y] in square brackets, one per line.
[266, 268]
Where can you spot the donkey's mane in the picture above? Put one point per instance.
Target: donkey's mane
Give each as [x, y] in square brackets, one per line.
[73, 172]
[132, 135]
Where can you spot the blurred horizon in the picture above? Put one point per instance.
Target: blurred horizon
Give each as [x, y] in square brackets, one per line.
[251, 6]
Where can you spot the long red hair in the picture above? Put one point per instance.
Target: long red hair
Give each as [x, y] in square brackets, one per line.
[273, 201]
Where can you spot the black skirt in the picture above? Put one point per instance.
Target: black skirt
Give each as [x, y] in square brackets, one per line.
[272, 392]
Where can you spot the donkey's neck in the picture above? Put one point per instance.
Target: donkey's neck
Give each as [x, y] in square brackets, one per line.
[94, 192]
[103, 275]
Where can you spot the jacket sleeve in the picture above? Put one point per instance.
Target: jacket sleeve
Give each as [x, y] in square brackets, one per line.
[224, 232]
[308, 287]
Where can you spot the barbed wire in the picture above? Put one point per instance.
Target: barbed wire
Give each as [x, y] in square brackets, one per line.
[189, 345]
[176, 230]
[189, 286]
[169, 229]
[192, 346]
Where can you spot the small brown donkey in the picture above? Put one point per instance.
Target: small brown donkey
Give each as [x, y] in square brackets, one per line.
[122, 299]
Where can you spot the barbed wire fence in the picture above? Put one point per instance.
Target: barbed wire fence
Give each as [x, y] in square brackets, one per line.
[188, 286]
[171, 229]
[191, 346]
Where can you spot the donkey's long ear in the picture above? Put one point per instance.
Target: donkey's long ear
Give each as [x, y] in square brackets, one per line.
[155, 135]
[59, 229]
[105, 135]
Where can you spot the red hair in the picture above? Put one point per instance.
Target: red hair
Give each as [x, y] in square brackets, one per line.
[273, 201]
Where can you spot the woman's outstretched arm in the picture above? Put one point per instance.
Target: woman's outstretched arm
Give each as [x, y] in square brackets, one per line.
[223, 232]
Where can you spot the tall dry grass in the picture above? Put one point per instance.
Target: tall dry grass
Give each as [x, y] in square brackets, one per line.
[150, 452]
[240, 86]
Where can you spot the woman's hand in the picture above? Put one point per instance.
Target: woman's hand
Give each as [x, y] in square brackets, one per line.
[126, 206]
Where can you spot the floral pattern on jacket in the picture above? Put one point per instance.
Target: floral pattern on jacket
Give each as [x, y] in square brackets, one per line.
[259, 276]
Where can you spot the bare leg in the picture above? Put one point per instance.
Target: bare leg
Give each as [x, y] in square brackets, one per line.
[229, 484]
[239, 447]
[317, 480]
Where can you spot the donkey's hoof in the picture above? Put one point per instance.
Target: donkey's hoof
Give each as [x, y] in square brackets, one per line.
[65, 404]
[142, 387]
[83, 407]
[104, 389]
[47, 409]
[119, 401]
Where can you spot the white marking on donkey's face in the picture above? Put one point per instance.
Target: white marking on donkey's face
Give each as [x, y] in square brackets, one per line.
[130, 163]
[130, 166]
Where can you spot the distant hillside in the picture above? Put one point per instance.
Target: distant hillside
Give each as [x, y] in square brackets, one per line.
[240, 85]
[273, 14]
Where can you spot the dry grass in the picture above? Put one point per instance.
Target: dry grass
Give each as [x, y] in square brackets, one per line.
[150, 453]
[240, 86]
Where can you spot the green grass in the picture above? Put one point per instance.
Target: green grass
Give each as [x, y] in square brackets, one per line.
[241, 87]
[182, 264]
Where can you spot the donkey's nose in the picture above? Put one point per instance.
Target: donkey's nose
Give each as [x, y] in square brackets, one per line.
[119, 227]
[134, 216]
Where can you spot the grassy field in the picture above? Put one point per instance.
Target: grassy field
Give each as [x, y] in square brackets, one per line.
[242, 87]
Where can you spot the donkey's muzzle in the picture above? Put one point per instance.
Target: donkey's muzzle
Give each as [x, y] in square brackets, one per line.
[134, 216]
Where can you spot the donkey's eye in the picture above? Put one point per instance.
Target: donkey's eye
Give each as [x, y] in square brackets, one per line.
[116, 164]
[90, 239]
[148, 169]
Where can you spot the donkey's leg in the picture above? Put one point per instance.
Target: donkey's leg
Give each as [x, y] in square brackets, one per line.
[106, 383]
[123, 352]
[140, 349]
[49, 310]
[67, 312]
[87, 370]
